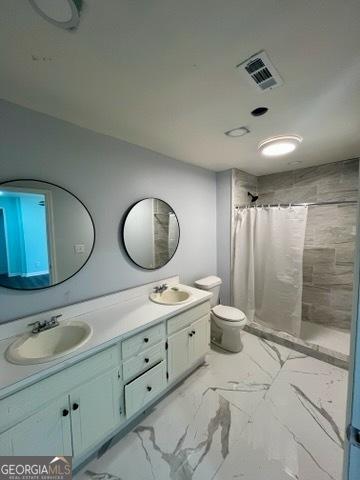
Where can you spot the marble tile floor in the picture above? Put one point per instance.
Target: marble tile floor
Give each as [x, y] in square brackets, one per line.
[266, 413]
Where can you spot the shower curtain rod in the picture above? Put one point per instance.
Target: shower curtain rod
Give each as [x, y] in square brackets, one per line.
[346, 202]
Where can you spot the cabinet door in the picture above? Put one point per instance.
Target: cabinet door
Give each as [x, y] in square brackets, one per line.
[178, 353]
[5, 444]
[200, 339]
[96, 410]
[46, 432]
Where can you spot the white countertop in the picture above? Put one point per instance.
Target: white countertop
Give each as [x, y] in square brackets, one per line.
[110, 324]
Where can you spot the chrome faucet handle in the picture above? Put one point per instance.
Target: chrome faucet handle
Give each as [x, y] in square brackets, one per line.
[54, 318]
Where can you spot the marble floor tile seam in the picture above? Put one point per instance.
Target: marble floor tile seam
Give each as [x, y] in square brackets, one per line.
[267, 397]
[273, 378]
[258, 406]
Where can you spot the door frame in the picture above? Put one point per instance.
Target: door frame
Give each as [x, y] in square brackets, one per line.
[354, 345]
[50, 225]
[6, 240]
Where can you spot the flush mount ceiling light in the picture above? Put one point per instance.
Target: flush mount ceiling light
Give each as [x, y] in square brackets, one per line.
[281, 145]
[237, 132]
[62, 13]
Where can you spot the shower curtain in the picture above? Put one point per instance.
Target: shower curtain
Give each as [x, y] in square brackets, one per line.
[267, 265]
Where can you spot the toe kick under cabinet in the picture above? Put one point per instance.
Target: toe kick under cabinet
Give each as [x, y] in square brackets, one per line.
[73, 411]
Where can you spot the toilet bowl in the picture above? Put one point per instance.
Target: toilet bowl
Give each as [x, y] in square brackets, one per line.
[226, 322]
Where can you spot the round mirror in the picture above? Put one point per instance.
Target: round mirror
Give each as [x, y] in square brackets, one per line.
[151, 233]
[46, 234]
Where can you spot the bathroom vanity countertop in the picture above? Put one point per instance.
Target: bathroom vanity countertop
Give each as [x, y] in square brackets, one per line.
[110, 325]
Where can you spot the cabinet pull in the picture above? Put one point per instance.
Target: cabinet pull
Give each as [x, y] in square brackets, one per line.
[146, 339]
[75, 406]
[146, 360]
[65, 412]
[149, 388]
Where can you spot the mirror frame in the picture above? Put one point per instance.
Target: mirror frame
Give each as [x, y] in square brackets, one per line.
[91, 219]
[123, 236]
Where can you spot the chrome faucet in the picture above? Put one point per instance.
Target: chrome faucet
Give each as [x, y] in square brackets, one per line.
[160, 288]
[39, 327]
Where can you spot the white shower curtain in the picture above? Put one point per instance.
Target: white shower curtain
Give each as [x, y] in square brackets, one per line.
[267, 265]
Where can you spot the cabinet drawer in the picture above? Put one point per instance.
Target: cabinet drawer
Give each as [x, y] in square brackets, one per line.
[142, 390]
[184, 319]
[144, 360]
[18, 406]
[143, 340]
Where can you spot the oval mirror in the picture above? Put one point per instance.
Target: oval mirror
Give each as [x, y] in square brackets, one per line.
[151, 233]
[46, 235]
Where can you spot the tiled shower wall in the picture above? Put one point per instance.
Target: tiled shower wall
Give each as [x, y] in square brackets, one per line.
[161, 232]
[330, 233]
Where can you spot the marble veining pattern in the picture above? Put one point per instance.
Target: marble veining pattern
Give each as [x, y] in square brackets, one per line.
[266, 413]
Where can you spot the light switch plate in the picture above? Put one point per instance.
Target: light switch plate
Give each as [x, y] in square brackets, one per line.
[79, 248]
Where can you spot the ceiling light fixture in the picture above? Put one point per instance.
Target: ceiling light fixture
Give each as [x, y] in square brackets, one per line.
[62, 13]
[237, 132]
[281, 145]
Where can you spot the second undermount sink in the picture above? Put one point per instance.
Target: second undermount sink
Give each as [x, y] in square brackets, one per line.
[50, 344]
[171, 296]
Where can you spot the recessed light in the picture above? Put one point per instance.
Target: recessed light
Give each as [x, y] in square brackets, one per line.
[62, 13]
[237, 132]
[257, 112]
[281, 145]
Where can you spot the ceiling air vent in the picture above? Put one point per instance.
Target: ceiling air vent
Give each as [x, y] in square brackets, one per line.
[259, 70]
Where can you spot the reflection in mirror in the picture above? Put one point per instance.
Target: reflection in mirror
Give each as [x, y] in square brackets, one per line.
[46, 235]
[151, 233]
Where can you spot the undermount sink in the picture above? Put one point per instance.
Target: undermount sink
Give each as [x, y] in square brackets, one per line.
[50, 344]
[171, 296]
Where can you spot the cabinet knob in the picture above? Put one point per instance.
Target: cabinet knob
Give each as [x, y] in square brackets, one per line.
[146, 360]
[75, 406]
[146, 340]
[193, 332]
[65, 412]
[149, 388]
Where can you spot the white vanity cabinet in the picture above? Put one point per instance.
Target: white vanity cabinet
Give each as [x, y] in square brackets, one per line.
[188, 341]
[66, 413]
[42, 433]
[96, 409]
[73, 411]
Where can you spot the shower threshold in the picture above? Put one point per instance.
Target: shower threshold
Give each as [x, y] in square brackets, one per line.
[328, 345]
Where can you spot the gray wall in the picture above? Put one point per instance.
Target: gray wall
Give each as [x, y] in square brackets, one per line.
[224, 193]
[330, 235]
[108, 175]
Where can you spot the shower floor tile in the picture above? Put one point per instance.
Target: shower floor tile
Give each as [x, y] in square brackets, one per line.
[266, 413]
[330, 338]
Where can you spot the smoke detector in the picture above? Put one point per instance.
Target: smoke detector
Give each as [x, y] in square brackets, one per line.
[260, 72]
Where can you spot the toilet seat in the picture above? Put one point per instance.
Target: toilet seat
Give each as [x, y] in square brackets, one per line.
[229, 314]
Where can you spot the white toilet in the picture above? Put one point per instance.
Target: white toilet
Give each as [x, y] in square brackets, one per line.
[226, 322]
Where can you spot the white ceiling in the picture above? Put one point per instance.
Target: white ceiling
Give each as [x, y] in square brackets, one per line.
[161, 74]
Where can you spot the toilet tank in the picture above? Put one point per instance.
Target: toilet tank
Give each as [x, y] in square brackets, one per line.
[212, 284]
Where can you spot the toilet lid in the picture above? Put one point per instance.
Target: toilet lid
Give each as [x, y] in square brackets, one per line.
[229, 313]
